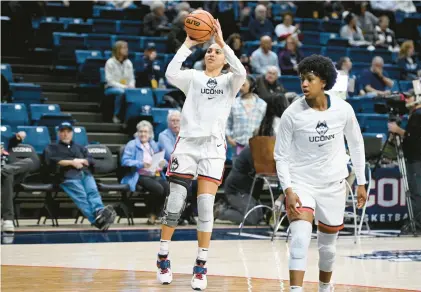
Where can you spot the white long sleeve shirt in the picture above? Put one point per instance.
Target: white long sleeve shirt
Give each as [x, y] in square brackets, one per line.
[310, 146]
[120, 75]
[208, 99]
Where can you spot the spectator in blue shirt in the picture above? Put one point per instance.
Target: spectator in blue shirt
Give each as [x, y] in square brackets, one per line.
[260, 25]
[264, 57]
[73, 163]
[375, 80]
[168, 137]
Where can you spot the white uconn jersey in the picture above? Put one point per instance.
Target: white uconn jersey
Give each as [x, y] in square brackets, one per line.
[208, 99]
[310, 145]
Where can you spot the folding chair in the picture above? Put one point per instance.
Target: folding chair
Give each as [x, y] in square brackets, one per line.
[262, 148]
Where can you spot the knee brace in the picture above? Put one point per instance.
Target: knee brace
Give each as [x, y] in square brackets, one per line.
[327, 250]
[205, 210]
[300, 241]
[175, 202]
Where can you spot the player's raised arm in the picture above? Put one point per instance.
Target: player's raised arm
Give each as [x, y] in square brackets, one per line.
[238, 70]
[282, 150]
[174, 74]
[356, 145]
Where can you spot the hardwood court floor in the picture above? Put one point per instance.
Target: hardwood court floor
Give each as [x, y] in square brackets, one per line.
[54, 279]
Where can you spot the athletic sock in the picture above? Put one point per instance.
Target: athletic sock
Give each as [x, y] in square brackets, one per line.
[324, 287]
[202, 254]
[296, 289]
[164, 247]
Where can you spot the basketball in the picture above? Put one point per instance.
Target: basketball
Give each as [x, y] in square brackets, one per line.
[199, 25]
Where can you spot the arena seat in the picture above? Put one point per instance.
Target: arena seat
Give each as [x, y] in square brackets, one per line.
[6, 71]
[405, 85]
[309, 24]
[14, 114]
[159, 94]
[331, 25]
[6, 135]
[358, 68]
[393, 71]
[129, 27]
[38, 110]
[136, 99]
[107, 26]
[82, 55]
[388, 56]
[79, 135]
[309, 50]
[326, 36]
[88, 72]
[335, 53]
[338, 42]
[26, 93]
[44, 33]
[36, 136]
[99, 41]
[360, 55]
[65, 44]
[290, 83]
[375, 123]
[159, 116]
[160, 43]
[311, 37]
[134, 42]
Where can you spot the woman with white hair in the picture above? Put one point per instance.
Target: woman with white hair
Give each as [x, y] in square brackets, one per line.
[138, 155]
[156, 20]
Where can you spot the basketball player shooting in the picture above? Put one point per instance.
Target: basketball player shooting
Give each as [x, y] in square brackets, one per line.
[200, 149]
[311, 165]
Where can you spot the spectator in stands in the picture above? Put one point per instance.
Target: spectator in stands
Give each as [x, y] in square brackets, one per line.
[235, 43]
[246, 115]
[73, 163]
[286, 28]
[149, 70]
[366, 21]
[352, 32]
[290, 56]
[408, 62]
[375, 80]
[260, 26]
[332, 9]
[168, 137]
[119, 76]
[155, 21]
[122, 4]
[344, 66]
[385, 37]
[138, 154]
[264, 57]
[177, 33]
[268, 86]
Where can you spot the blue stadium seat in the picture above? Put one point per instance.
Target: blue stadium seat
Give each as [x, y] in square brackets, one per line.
[136, 98]
[130, 27]
[334, 53]
[338, 42]
[326, 36]
[393, 71]
[310, 50]
[360, 55]
[26, 93]
[309, 24]
[405, 85]
[102, 75]
[251, 46]
[160, 43]
[44, 33]
[89, 72]
[82, 55]
[104, 26]
[36, 136]
[375, 135]
[375, 123]
[14, 114]
[331, 25]
[168, 58]
[109, 54]
[6, 134]
[311, 37]
[134, 42]
[79, 135]
[79, 27]
[364, 104]
[38, 110]
[159, 94]
[159, 116]
[385, 54]
[281, 8]
[358, 68]
[100, 42]
[6, 71]
[291, 83]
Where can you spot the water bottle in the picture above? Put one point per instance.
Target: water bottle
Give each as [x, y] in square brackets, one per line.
[161, 83]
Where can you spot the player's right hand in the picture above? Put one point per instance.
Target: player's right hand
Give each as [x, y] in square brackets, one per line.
[191, 43]
[291, 203]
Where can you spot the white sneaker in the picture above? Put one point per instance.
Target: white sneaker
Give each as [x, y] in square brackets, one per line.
[199, 281]
[116, 120]
[327, 288]
[8, 226]
[164, 273]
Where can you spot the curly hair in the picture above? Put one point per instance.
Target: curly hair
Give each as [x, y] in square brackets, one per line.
[320, 66]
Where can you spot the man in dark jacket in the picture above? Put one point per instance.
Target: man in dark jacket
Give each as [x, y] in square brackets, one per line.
[177, 33]
[73, 162]
[268, 86]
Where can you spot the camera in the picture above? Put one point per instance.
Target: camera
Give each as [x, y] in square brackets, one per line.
[394, 105]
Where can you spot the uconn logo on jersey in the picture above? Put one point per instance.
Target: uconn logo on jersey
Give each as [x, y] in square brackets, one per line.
[322, 129]
[212, 85]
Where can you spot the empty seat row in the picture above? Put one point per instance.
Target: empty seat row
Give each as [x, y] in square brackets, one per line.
[376, 123]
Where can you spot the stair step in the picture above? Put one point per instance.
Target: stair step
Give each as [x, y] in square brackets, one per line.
[105, 138]
[79, 106]
[36, 78]
[54, 97]
[82, 117]
[31, 69]
[101, 127]
[57, 87]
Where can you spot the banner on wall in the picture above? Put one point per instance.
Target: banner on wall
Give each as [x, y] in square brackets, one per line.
[387, 202]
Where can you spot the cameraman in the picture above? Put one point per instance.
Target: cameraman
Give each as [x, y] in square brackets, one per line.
[412, 149]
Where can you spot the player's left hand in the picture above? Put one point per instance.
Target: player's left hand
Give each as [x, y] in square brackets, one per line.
[219, 38]
[393, 127]
[361, 196]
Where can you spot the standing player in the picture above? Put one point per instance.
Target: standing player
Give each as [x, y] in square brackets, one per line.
[311, 164]
[200, 147]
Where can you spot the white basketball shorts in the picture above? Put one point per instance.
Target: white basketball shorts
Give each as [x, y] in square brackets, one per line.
[203, 157]
[327, 202]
